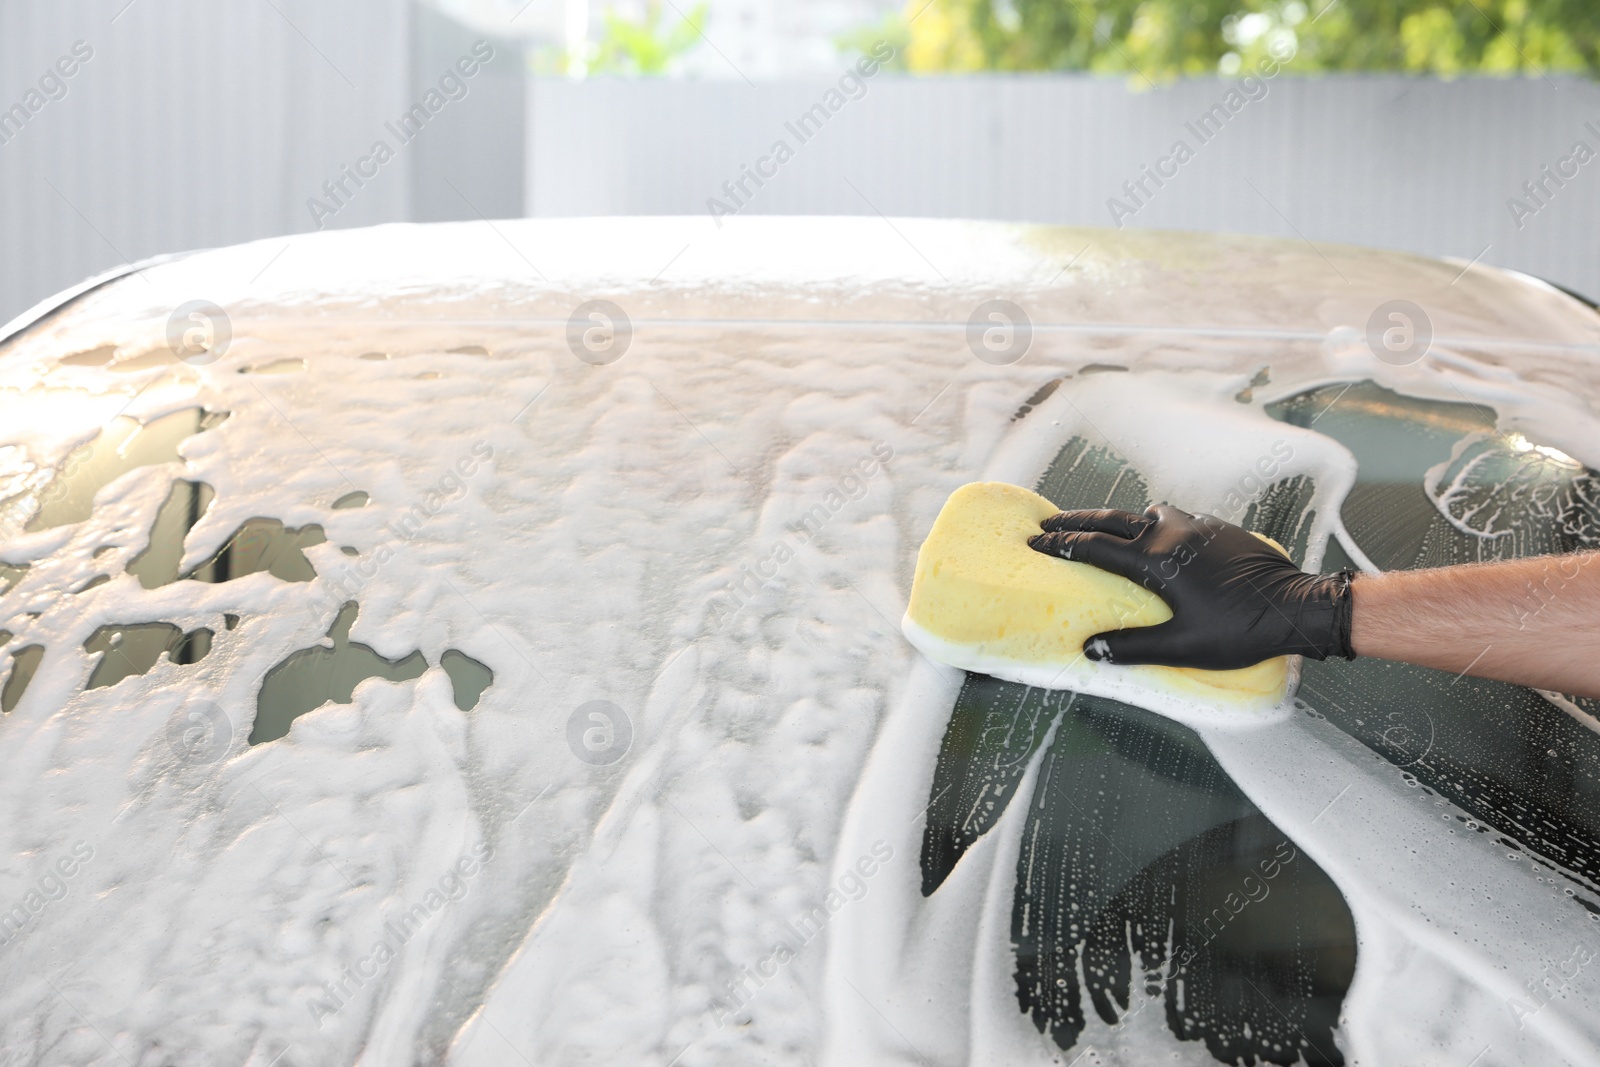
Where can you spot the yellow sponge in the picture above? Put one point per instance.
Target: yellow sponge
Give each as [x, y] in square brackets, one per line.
[982, 600]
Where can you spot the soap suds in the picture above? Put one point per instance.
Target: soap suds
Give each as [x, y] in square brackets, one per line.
[1383, 721]
[766, 757]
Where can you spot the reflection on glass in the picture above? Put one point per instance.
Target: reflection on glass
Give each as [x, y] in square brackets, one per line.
[315, 676]
[1438, 485]
[468, 677]
[1145, 876]
[24, 662]
[132, 649]
[1144, 873]
[259, 544]
[121, 446]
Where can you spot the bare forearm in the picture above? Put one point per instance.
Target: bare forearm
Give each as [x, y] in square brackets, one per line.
[1533, 622]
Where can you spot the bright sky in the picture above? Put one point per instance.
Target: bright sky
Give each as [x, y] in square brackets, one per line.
[756, 39]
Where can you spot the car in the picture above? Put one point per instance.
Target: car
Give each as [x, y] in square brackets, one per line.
[480, 643]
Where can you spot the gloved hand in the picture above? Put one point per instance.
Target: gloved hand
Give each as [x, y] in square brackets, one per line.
[1235, 599]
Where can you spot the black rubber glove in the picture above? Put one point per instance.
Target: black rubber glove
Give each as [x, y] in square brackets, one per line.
[1235, 599]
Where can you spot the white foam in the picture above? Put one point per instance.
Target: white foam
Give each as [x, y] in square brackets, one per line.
[1108, 680]
[770, 751]
[1450, 933]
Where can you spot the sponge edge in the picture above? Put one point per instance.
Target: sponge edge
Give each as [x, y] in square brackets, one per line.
[984, 601]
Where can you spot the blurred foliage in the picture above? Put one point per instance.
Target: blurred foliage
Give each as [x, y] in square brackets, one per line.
[1163, 39]
[893, 29]
[651, 45]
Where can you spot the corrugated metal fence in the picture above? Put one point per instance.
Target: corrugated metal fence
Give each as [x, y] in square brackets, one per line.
[1391, 162]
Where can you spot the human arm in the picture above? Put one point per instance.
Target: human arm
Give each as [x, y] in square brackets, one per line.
[1237, 601]
[1535, 621]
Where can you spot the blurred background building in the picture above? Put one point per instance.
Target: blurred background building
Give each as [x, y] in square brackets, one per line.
[130, 128]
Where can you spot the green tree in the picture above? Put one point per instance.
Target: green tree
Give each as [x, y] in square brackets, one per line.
[892, 30]
[1163, 39]
[648, 46]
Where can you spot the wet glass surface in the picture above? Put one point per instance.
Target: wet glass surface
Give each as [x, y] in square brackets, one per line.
[1145, 873]
[303, 681]
[312, 677]
[259, 544]
[1143, 869]
[24, 662]
[134, 648]
[1517, 765]
[10, 575]
[122, 446]
[468, 677]
[1508, 496]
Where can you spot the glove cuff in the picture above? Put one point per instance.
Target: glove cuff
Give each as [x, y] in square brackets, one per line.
[1343, 614]
[1322, 625]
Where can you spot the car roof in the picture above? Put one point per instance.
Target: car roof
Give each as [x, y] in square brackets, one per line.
[844, 270]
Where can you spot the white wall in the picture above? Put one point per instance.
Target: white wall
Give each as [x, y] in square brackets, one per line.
[1386, 161]
[199, 123]
[194, 124]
